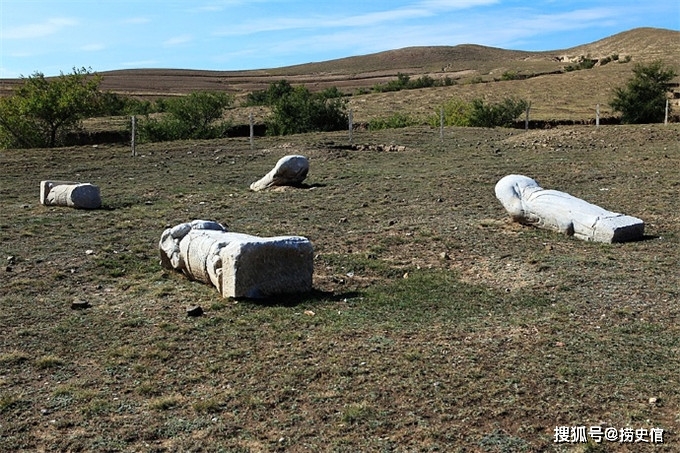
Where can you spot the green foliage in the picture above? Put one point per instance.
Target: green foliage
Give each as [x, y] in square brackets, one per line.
[196, 116]
[510, 75]
[42, 111]
[271, 95]
[113, 104]
[299, 111]
[479, 114]
[583, 63]
[643, 99]
[456, 113]
[394, 121]
[501, 114]
[404, 82]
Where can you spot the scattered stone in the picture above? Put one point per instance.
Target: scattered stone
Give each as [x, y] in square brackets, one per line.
[530, 204]
[238, 265]
[71, 194]
[444, 256]
[80, 305]
[11, 260]
[289, 171]
[89, 252]
[195, 311]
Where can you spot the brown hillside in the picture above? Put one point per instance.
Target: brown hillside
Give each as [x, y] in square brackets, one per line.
[555, 93]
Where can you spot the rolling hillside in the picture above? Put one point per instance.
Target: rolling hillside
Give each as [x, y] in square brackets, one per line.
[539, 76]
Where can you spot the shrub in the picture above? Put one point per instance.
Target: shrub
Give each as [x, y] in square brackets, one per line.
[643, 98]
[456, 113]
[196, 116]
[396, 120]
[502, 114]
[300, 111]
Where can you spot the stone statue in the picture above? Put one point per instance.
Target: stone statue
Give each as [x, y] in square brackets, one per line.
[238, 265]
[288, 171]
[530, 204]
[72, 194]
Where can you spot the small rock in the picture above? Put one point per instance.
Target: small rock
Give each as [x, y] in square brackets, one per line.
[444, 256]
[309, 313]
[195, 311]
[11, 259]
[80, 305]
[89, 252]
[653, 400]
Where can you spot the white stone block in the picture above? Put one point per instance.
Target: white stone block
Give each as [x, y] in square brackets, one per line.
[288, 171]
[72, 194]
[528, 203]
[238, 265]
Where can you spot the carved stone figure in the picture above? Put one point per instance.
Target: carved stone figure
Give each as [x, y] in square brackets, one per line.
[288, 171]
[238, 265]
[72, 194]
[530, 204]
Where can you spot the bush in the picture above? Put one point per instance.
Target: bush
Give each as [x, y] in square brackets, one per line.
[300, 111]
[502, 114]
[395, 121]
[456, 113]
[643, 99]
[270, 96]
[196, 116]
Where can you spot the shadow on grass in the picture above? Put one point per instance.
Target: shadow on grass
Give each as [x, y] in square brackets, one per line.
[293, 300]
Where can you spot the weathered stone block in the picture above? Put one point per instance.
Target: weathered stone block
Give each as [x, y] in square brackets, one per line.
[238, 265]
[72, 194]
[288, 171]
[528, 203]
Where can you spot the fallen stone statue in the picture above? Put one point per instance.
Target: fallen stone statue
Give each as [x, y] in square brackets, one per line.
[288, 171]
[238, 265]
[528, 203]
[72, 194]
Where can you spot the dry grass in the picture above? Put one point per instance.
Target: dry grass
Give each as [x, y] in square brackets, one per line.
[437, 325]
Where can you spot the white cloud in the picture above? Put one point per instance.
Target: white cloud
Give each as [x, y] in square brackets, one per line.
[177, 40]
[39, 30]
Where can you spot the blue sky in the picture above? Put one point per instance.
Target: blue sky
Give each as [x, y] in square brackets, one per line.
[56, 36]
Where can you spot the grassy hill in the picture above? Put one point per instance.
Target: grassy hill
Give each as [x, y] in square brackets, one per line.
[477, 70]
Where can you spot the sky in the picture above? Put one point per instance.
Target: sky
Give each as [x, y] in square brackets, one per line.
[53, 37]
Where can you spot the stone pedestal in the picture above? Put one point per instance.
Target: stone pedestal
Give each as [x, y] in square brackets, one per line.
[72, 194]
[239, 265]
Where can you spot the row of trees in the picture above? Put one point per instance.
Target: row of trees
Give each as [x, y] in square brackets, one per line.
[42, 112]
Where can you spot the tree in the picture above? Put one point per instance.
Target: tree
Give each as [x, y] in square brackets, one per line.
[643, 99]
[42, 111]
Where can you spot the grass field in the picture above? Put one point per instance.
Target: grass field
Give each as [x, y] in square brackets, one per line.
[434, 325]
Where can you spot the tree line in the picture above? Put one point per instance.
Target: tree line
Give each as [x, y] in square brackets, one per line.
[42, 112]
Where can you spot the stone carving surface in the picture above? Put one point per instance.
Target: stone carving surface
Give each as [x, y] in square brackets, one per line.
[72, 194]
[529, 203]
[288, 171]
[238, 265]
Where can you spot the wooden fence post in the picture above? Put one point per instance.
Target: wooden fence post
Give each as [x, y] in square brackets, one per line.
[665, 118]
[351, 126]
[252, 131]
[134, 134]
[526, 117]
[597, 115]
[441, 124]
